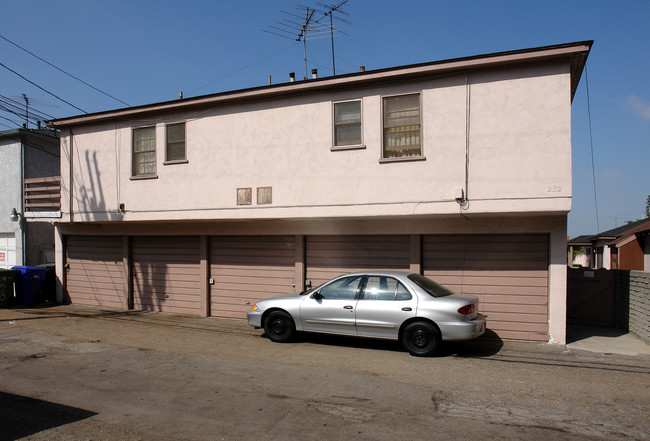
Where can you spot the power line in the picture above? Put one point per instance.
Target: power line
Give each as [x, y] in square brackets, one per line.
[63, 71]
[591, 142]
[44, 90]
[242, 68]
[21, 107]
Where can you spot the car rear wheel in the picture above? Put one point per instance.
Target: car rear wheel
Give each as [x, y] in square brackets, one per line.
[420, 339]
[279, 327]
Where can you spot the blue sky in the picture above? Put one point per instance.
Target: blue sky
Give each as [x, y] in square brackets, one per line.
[148, 51]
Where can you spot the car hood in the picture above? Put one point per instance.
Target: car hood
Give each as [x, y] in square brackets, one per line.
[282, 298]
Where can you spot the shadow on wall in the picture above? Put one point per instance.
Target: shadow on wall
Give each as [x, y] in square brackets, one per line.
[89, 195]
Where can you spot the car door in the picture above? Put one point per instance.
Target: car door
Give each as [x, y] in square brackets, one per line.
[332, 308]
[383, 306]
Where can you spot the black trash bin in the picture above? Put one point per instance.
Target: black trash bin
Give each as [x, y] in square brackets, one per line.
[48, 286]
[7, 293]
[28, 284]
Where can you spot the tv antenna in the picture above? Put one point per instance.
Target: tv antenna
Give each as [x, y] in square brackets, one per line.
[310, 25]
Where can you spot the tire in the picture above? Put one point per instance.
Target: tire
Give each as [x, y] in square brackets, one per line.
[421, 339]
[279, 327]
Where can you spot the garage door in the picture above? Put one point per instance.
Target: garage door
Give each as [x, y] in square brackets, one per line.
[330, 256]
[167, 274]
[7, 250]
[246, 269]
[509, 273]
[95, 271]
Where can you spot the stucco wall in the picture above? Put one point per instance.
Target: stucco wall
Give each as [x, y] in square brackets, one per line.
[518, 119]
[633, 303]
[10, 195]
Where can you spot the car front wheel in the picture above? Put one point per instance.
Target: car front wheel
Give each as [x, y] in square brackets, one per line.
[420, 338]
[279, 327]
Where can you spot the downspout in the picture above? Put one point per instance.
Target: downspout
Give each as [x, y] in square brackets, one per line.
[21, 220]
[71, 181]
[463, 201]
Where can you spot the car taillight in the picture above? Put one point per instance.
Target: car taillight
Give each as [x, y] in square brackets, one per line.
[467, 309]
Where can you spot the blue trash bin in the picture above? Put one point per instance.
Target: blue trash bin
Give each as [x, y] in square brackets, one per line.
[28, 283]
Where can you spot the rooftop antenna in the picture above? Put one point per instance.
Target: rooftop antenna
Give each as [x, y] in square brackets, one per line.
[307, 26]
[329, 10]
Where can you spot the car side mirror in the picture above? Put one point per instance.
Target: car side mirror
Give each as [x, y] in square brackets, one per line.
[317, 295]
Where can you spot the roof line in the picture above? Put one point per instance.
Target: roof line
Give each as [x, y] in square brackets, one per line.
[578, 51]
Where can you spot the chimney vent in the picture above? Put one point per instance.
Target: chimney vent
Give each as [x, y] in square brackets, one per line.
[292, 76]
[180, 95]
[314, 73]
[362, 68]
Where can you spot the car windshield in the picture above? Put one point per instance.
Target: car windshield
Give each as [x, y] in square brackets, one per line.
[428, 285]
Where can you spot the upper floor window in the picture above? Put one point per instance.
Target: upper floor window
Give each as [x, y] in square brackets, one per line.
[402, 127]
[347, 123]
[175, 150]
[144, 151]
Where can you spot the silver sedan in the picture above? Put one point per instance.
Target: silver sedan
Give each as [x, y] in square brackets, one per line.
[382, 304]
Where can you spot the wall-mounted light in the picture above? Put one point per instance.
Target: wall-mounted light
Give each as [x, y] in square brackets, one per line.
[14, 216]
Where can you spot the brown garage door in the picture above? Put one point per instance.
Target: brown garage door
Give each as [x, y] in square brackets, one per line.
[166, 274]
[246, 269]
[331, 256]
[95, 271]
[509, 273]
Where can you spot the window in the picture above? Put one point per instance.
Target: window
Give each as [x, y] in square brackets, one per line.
[385, 288]
[402, 128]
[244, 196]
[347, 123]
[175, 142]
[144, 151]
[428, 285]
[345, 288]
[264, 195]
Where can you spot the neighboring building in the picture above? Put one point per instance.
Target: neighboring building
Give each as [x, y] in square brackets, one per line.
[457, 169]
[626, 247]
[29, 179]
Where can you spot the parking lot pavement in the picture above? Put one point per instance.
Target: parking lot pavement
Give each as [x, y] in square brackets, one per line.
[79, 373]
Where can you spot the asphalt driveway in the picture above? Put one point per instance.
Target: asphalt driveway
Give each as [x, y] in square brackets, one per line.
[79, 373]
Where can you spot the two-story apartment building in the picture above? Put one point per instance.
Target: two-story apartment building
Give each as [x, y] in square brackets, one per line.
[457, 169]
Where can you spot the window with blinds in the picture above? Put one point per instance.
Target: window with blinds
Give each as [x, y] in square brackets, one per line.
[144, 151]
[401, 126]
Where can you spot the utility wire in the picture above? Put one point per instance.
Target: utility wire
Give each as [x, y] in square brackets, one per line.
[44, 90]
[242, 68]
[591, 142]
[34, 114]
[61, 70]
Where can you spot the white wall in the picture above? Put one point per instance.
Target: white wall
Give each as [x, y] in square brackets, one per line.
[10, 197]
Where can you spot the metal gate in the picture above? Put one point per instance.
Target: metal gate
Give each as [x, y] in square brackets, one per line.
[591, 297]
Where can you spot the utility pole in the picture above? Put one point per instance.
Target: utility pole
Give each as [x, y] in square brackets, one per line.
[26, 111]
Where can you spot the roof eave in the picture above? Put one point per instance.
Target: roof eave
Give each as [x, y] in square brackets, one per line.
[577, 52]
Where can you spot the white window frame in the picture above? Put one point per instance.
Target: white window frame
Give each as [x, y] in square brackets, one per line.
[419, 157]
[176, 161]
[361, 145]
[135, 175]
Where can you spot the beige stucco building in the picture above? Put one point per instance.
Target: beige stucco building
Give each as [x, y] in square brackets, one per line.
[458, 169]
